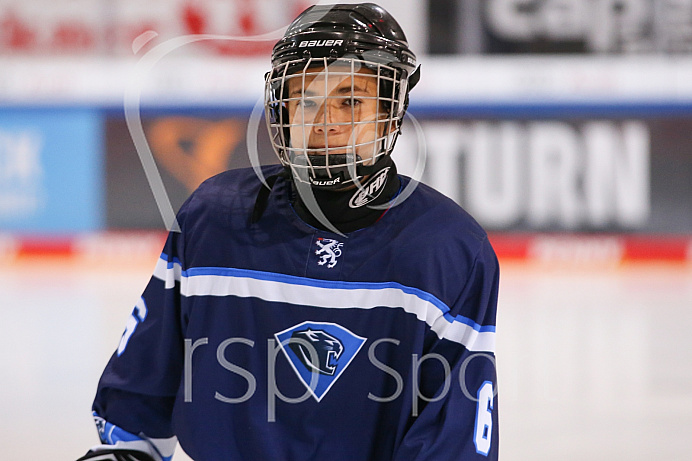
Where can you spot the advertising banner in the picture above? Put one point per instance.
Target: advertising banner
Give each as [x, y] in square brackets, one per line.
[50, 170]
[560, 26]
[187, 150]
[110, 27]
[593, 175]
[538, 175]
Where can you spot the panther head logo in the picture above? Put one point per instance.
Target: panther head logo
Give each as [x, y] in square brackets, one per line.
[317, 350]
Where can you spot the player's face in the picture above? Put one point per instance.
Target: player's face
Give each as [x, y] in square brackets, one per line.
[335, 112]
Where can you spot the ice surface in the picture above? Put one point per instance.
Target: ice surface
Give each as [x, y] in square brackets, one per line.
[594, 363]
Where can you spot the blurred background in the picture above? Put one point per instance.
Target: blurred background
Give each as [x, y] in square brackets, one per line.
[563, 126]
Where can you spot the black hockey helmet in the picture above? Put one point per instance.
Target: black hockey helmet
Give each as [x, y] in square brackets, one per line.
[331, 31]
[326, 39]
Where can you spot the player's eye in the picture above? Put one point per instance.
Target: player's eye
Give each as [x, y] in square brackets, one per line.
[352, 102]
[307, 103]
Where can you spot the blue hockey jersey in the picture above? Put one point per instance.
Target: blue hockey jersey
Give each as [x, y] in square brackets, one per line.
[279, 341]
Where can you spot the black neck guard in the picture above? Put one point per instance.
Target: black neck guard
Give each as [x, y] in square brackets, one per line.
[350, 209]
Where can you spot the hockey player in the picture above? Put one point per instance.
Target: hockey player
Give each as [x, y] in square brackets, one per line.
[336, 311]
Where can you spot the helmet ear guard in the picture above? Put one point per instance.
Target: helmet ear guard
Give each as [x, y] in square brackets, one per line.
[406, 87]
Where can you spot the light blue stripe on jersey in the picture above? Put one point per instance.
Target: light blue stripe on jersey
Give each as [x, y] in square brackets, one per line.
[110, 434]
[274, 287]
[293, 280]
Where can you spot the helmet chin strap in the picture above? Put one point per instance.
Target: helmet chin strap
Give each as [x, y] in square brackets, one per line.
[345, 173]
[330, 171]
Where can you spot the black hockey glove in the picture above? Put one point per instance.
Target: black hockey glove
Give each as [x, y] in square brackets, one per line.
[116, 454]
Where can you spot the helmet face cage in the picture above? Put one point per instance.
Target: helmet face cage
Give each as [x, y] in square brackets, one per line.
[300, 122]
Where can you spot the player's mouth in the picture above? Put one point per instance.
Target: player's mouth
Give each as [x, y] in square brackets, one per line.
[322, 150]
[336, 158]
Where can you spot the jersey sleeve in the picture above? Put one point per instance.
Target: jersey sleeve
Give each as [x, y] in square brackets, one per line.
[455, 411]
[137, 389]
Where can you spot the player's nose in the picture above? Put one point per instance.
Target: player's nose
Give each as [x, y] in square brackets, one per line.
[327, 119]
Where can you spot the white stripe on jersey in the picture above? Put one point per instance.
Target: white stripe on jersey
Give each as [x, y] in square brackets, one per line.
[326, 294]
[168, 272]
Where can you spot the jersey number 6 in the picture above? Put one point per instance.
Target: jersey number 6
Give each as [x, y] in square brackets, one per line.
[139, 313]
[484, 419]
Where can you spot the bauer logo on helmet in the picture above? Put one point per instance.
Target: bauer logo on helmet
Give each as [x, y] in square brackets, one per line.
[310, 43]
